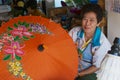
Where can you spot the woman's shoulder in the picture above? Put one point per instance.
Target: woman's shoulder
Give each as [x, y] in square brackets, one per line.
[104, 39]
[75, 29]
[103, 36]
[73, 32]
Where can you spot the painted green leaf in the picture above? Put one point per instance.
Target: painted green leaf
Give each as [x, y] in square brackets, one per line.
[0, 36]
[9, 34]
[79, 51]
[7, 57]
[9, 28]
[32, 36]
[16, 38]
[15, 25]
[19, 22]
[25, 38]
[17, 57]
[26, 25]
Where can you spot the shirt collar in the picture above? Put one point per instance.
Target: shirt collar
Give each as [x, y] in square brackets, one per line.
[96, 37]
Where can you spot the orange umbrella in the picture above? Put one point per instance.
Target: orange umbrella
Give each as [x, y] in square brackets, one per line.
[36, 48]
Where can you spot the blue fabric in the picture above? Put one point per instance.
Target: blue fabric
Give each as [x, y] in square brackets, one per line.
[94, 1]
[87, 57]
[80, 33]
[96, 38]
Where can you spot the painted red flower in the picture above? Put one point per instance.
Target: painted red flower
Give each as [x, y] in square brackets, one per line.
[14, 49]
[20, 31]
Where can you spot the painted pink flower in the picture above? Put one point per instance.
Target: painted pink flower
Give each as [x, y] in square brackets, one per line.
[6, 37]
[20, 31]
[14, 49]
[1, 44]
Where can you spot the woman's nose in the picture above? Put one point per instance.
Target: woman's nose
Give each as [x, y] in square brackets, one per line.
[87, 22]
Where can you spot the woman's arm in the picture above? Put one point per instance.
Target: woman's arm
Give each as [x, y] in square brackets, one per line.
[90, 70]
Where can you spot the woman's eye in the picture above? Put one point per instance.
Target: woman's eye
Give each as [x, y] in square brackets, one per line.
[92, 20]
[84, 18]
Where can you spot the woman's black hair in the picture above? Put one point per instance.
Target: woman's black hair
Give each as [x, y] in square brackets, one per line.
[32, 4]
[92, 8]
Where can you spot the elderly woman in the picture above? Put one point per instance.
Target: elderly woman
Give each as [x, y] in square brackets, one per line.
[91, 43]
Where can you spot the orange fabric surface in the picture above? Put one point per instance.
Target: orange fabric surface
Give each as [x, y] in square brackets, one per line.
[58, 61]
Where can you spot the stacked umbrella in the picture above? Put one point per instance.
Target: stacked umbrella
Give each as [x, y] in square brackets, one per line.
[110, 68]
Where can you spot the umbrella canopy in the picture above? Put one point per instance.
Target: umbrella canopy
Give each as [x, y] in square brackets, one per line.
[36, 48]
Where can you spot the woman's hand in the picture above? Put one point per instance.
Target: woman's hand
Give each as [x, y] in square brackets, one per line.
[90, 70]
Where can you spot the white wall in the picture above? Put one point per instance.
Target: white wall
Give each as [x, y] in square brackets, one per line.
[113, 26]
[58, 3]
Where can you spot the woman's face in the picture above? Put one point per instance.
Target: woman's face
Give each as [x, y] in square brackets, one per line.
[89, 22]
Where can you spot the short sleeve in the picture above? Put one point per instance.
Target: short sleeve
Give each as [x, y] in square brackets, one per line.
[73, 33]
[101, 51]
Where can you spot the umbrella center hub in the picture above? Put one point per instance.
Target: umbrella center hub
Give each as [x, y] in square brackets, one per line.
[41, 47]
